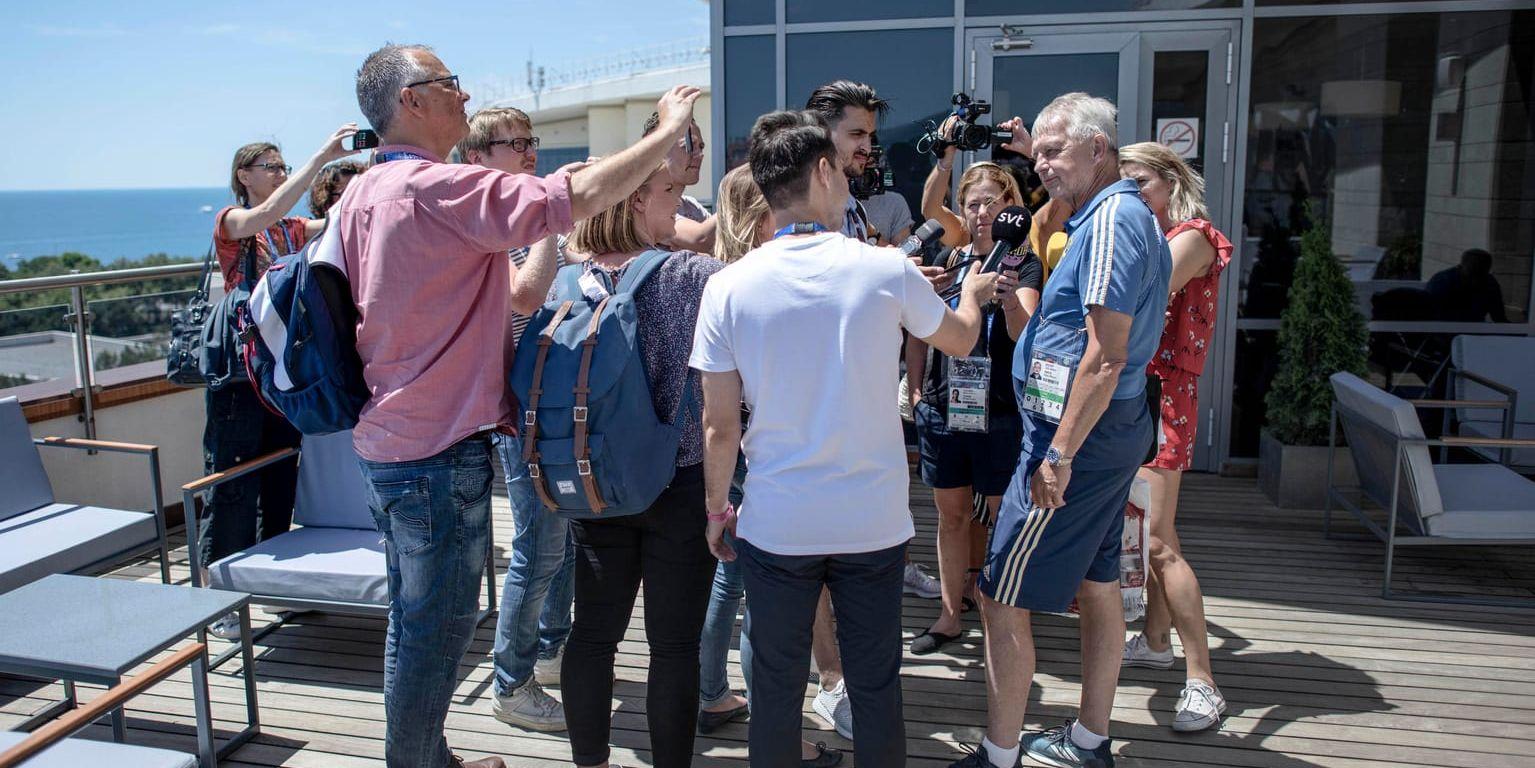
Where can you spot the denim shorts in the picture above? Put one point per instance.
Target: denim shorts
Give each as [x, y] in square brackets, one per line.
[984, 461]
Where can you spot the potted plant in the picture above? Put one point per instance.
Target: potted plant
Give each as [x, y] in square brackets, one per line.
[1321, 332]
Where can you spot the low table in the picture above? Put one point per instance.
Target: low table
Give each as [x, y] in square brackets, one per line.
[94, 630]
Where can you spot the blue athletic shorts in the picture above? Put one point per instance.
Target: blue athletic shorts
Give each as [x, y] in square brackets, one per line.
[1038, 558]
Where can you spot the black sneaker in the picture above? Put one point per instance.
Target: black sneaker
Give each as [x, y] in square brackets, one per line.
[976, 758]
[1055, 747]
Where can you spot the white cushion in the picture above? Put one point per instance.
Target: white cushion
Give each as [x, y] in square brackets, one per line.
[331, 490]
[1519, 457]
[77, 752]
[1508, 360]
[63, 538]
[337, 564]
[1484, 501]
[1373, 450]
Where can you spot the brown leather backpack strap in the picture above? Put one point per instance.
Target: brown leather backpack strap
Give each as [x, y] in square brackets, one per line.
[536, 389]
[581, 449]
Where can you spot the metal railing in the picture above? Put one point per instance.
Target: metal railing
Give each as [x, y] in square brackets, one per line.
[79, 316]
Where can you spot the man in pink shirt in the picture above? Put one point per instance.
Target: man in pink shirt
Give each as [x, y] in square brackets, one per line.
[425, 246]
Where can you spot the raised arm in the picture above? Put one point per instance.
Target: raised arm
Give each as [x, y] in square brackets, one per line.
[934, 190]
[241, 223]
[603, 184]
[694, 235]
[531, 281]
[960, 329]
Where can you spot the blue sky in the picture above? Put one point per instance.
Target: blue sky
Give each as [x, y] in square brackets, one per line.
[129, 94]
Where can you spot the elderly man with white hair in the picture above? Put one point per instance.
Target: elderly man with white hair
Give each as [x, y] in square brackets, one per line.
[1079, 373]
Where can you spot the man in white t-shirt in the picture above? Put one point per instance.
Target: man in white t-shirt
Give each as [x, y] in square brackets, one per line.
[801, 329]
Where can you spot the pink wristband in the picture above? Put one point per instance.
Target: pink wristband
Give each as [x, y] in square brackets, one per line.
[723, 516]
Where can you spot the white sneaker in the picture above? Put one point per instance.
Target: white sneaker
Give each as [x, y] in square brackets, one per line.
[547, 671]
[530, 708]
[836, 709]
[917, 582]
[226, 628]
[1139, 654]
[1200, 707]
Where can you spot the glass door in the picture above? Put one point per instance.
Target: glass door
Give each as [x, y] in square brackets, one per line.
[1172, 83]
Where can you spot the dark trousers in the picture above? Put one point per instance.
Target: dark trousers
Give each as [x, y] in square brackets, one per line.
[866, 594]
[257, 506]
[665, 549]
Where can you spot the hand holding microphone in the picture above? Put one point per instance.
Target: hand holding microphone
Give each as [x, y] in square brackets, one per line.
[913, 248]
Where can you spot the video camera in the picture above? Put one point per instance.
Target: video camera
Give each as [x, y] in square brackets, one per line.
[876, 177]
[969, 136]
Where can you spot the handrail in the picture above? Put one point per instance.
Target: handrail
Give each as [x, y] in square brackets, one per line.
[103, 277]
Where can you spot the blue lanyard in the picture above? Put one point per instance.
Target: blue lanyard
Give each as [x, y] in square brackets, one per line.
[384, 157]
[800, 228]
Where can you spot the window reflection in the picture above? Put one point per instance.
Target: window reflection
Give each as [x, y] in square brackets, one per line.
[911, 68]
[748, 92]
[1411, 134]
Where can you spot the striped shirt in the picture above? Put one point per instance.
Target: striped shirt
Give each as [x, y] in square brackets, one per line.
[519, 257]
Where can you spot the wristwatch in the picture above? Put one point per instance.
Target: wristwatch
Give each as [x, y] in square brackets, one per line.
[1055, 458]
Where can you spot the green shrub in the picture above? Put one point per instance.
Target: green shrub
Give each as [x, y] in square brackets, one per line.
[1321, 332]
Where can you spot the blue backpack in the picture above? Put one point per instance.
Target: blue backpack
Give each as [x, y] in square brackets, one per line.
[591, 438]
[299, 330]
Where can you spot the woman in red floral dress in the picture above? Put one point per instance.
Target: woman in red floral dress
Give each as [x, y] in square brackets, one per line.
[1175, 193]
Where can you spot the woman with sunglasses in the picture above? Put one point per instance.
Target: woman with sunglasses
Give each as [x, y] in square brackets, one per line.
[239, 427]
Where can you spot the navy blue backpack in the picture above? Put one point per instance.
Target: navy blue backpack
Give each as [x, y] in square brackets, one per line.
[591, 438]
[299, 330]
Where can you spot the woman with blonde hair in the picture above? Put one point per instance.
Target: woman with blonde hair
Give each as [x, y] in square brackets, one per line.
[745, 222]
[1175, 193]
[971, 448]
[664, 547]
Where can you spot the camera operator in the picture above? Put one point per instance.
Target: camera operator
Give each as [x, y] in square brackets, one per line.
[889, 215]
[424, 244]
[946, 144]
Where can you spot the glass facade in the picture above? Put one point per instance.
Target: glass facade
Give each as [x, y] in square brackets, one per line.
[911, 68]
[750, 83]
[1411, 137]
[739, 13]
[1016, 8]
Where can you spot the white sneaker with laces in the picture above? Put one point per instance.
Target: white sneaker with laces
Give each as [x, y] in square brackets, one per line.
[531, 708]
[547, 671]
[226, 628]
[917, 582]
[1139, 654]
[1200, 707]
[836, 709]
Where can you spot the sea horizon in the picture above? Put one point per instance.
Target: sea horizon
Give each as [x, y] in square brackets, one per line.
[111, 224]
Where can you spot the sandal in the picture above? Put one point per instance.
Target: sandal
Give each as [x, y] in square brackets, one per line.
[825, 757]
[930, 642]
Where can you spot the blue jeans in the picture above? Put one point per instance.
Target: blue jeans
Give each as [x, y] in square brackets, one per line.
[724, 603]
[435, 517]
[535, 599]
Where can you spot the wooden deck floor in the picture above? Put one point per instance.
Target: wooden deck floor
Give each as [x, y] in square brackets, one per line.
[1318, 670]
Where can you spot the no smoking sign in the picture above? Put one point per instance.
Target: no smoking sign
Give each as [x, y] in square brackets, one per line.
[1180, 134]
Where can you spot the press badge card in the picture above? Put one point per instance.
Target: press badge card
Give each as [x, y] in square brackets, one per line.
[969, 392]
[1044, 392]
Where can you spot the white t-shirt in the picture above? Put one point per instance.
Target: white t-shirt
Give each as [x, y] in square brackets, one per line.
[813, 325]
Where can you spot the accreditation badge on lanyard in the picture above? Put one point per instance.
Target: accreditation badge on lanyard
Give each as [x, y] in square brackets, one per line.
[1053, 360]
[969, 393]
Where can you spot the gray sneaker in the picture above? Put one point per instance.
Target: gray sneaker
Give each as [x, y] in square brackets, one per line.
[531, 708]
[1200, 707]
[1055, 748]
[547, 671]
[836, 709]
[226, 628]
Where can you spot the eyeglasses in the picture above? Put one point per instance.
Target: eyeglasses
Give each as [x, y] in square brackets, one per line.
[517, 145]
[451, 80]
[273, 168]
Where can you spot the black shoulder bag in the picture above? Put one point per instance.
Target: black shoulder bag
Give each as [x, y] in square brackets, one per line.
[183, 357]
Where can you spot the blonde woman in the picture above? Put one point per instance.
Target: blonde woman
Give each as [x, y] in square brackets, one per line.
[744, 222]
[1175, 193]
[961, 458]
[663, 547]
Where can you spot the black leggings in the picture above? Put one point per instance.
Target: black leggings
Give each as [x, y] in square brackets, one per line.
[665, 548]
